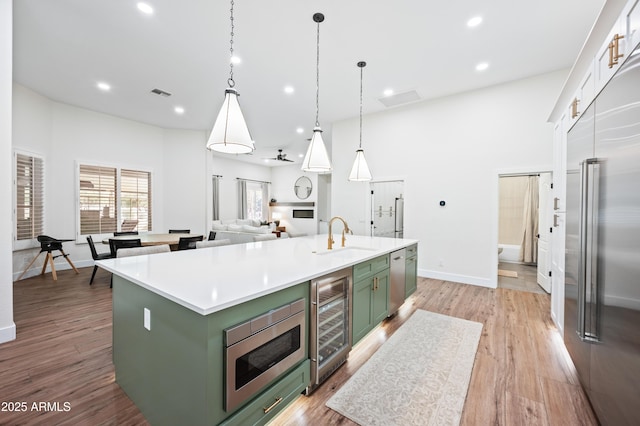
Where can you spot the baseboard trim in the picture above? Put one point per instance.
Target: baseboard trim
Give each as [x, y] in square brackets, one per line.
[464, 279]
[8, 334]
[59, 267]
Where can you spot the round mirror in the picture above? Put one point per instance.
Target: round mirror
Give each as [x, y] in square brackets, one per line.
[302, 187]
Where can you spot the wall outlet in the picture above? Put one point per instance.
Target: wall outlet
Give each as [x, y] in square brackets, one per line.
[147, 319]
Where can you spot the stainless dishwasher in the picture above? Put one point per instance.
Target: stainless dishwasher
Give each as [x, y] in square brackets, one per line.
[397, 271]
[330, 330]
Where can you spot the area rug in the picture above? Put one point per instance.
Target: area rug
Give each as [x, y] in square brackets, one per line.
[419, 376]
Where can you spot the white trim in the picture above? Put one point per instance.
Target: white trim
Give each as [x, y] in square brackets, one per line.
[8, 334]
[464, 279]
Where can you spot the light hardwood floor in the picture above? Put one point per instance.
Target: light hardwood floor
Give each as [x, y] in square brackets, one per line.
[521, 375]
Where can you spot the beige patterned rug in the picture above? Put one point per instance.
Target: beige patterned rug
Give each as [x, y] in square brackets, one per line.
[419, 376]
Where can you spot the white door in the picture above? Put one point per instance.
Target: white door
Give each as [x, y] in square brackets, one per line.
[544, 236]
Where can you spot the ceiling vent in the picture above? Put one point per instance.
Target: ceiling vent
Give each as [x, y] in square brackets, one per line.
[161, 93]
[400, 98]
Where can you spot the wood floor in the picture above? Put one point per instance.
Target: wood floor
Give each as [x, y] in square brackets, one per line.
[62, 354]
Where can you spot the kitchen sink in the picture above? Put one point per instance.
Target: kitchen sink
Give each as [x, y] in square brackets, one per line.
[345, 250]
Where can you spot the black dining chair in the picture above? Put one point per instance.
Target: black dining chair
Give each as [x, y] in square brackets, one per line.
[117, 234]
[115, 244]
[48, 245]
[212, 235]
[96, 256]
[179, 231]
[188, 243]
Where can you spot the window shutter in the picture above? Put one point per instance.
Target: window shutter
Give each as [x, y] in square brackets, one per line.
[29, 197]
[98, 213]
[135, 198]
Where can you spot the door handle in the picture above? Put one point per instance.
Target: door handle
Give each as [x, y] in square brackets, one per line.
[555, 220]
[555, 203]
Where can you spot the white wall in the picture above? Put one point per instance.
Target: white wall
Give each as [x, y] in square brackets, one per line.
[284, 178]
[450, 149]
[7, 326]
[65, 135]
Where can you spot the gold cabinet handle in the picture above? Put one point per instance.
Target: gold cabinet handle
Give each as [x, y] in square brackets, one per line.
[272, 406]
[614, 50]
[555, 220]
[574, 108]
[555, 203]
[610, 48]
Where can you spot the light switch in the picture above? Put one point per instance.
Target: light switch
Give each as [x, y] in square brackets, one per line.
[147, 319]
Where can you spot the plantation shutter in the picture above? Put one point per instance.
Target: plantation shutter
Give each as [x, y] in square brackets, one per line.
[135, 199]
[29, 197]
[98, 213]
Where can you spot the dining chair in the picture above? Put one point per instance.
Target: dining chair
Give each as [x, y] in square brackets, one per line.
[265, 237]
[139, 251]
[188, 243]
[117, 234]
[96, 256]
[212, 243]
[128, 225]
[115, 244]
[179, 231]
[212, 235]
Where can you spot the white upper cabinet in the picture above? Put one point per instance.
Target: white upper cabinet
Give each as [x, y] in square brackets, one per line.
[583, 96]
[631, 25]
[610, 55]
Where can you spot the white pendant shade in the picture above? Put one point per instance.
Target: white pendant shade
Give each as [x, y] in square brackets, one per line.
[360, 171]
[316, 160]
[230, 133]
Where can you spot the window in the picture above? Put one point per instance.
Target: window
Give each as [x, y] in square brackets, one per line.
[112, 199]
[253, 199]
[29, 196]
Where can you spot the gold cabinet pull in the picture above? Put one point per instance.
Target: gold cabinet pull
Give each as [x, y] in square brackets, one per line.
[271, 407]
[574, 108]
[614, 50]
[555, 220]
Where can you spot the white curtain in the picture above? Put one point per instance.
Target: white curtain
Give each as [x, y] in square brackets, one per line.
[216, 197]
[265, 200]
[529, 246]
[242, 199]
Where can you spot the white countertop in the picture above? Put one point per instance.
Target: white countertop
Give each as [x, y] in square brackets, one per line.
[212, 279]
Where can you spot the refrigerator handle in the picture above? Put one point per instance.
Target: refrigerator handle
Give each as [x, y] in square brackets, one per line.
[588, 306]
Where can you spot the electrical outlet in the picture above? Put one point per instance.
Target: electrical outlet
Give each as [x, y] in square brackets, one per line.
[147, 319]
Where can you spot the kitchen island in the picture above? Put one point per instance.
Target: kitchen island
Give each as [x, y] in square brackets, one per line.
[171, 310]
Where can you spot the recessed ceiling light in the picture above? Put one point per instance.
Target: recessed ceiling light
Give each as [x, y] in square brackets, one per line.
[179, 110]
[482, 66]
[289, 89]
[388, 92]
[105, 87]
[474, 22]
[145, 8]
[301, 155]
[235, 60]
[300, 130]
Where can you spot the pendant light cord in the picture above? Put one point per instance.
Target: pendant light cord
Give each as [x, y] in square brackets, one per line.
[318, 76]
[360, 146]
[230, 80]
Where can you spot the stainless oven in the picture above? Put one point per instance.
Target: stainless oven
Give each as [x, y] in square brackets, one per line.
[259, 350]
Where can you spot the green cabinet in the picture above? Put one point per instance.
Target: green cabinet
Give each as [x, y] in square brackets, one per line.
[411, 271]
[370, 297]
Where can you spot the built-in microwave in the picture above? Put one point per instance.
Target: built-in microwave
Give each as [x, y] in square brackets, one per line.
[261, 349]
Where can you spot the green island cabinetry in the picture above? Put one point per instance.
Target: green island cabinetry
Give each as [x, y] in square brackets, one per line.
[175, 372]
[370, 295]
[411, 271]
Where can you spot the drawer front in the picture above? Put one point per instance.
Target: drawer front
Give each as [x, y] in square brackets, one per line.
[273, 399]
[370, 268]
[412, 250]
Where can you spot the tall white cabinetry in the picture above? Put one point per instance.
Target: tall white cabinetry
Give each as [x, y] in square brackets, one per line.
[614, 36]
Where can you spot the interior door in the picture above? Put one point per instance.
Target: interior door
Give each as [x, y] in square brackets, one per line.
[544, 234]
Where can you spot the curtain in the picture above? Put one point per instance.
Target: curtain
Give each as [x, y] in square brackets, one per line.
[529, 246]
[242, 199]
[216, 197]
[265, 200]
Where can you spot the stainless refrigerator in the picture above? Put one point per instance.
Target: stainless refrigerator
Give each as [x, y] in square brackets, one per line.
[399, 222]
[602, 260]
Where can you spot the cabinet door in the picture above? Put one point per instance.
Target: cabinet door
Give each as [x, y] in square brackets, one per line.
[631, 17]
[411, 276]
[380, 297]
[361, 312]
[604, 72]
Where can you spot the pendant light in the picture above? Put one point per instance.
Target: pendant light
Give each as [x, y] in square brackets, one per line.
[360, 171]
[230, 133]
[317, 159]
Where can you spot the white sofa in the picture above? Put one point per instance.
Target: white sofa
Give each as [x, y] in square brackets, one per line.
[241, 230]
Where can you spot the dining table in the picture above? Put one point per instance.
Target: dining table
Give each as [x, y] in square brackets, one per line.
[153, 239]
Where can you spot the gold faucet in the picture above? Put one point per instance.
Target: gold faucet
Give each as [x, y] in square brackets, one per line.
[345, 229]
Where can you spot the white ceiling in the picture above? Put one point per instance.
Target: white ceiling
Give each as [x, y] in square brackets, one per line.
[63, 48]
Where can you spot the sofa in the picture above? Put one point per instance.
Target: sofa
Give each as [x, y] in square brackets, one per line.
[241, 230]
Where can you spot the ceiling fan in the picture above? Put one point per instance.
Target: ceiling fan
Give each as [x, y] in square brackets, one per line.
[280, 157]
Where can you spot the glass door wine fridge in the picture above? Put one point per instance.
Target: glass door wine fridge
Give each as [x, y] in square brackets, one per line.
[330, 331]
